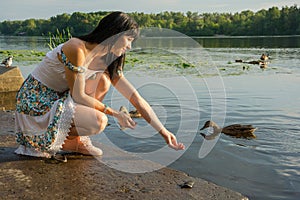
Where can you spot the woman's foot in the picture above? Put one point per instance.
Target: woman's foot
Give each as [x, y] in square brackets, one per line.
[81, 144]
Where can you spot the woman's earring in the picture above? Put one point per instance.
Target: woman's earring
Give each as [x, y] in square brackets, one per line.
[119, 72]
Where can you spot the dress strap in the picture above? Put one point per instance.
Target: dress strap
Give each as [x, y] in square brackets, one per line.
[69, 65]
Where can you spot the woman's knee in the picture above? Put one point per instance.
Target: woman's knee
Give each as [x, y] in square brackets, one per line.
[89, 121]
[102, 121]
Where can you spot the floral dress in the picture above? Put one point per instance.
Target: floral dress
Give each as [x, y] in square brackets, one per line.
[45, 108]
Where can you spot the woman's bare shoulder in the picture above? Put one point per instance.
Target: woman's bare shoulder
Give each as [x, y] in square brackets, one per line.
[74, 49]
[74, 43]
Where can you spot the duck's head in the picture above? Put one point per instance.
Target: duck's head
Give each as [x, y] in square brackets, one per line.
[124, 110]
[9, 58]
[209, 123]
[264, 56]
[216, 130]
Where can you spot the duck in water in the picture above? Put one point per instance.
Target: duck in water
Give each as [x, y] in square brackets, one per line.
[234, 130]
[264, 57]
[133, 113]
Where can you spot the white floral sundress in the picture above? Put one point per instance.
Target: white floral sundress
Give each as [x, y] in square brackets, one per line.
[45, 109]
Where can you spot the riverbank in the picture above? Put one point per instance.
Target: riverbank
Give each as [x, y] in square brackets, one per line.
[84, 177]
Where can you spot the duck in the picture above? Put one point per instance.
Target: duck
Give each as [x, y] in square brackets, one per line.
[135, 114]
[132, 114]
[264, 57]
[123, 109]
[234, 130]
[7, 61]
[254, 62]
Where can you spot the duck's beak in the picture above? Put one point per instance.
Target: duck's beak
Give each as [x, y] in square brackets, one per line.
[203, 135]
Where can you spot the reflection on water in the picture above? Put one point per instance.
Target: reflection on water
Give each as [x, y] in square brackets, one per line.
[250, 42]
[23, 43]
[40, 43]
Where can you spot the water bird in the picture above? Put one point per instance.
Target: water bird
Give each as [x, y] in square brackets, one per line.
[123, 109]
[7, 61]
[135, 114]
[264, 57]
[132, 114]
[254, 62]
[234, 130]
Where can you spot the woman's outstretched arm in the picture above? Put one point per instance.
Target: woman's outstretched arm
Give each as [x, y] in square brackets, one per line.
[129, 92]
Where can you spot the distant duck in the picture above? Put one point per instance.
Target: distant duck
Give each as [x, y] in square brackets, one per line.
[239, 60]
[254, 62]
[234, 130]
[7, 61]
[264, 57]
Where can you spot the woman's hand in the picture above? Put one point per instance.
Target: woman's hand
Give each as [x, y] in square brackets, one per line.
[172, 141]
[125, 120]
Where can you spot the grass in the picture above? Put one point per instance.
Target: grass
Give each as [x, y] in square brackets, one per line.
[58, 37]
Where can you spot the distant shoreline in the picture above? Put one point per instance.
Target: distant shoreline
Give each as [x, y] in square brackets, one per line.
[272, 21]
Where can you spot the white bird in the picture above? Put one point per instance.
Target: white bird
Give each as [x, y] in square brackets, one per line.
[7, 61]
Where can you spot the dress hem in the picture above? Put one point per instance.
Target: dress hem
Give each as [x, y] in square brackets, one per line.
[64, 125]
[23, 150]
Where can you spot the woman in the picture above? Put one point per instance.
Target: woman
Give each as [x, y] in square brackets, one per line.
[60, 103]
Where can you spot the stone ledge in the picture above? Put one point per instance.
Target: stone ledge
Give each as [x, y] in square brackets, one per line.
[11, 79]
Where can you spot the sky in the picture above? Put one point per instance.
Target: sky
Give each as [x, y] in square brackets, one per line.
[44, 9]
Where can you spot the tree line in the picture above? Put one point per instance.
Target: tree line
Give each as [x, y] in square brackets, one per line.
[274, 21]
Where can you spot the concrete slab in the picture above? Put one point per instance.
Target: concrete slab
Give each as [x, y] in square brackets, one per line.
[11, 79]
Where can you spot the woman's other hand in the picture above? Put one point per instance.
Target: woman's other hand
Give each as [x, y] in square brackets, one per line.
[125, 121]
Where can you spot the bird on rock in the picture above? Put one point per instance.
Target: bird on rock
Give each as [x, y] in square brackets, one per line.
[7, 61]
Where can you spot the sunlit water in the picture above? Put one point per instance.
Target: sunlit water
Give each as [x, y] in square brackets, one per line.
[263, 168]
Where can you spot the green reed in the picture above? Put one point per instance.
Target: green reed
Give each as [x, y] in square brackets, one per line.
[58, 37]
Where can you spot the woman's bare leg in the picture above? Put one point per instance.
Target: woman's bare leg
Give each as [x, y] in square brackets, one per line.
[87, 121]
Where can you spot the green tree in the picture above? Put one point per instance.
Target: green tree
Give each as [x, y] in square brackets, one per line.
[273, 21]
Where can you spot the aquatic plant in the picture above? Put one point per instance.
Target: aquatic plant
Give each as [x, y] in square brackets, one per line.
[23, 55]
[184, 65]
[59, 37]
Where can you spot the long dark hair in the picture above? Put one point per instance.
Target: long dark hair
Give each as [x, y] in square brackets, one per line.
[107, 32]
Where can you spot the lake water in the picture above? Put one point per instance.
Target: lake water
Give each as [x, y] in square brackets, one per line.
[187, 84]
